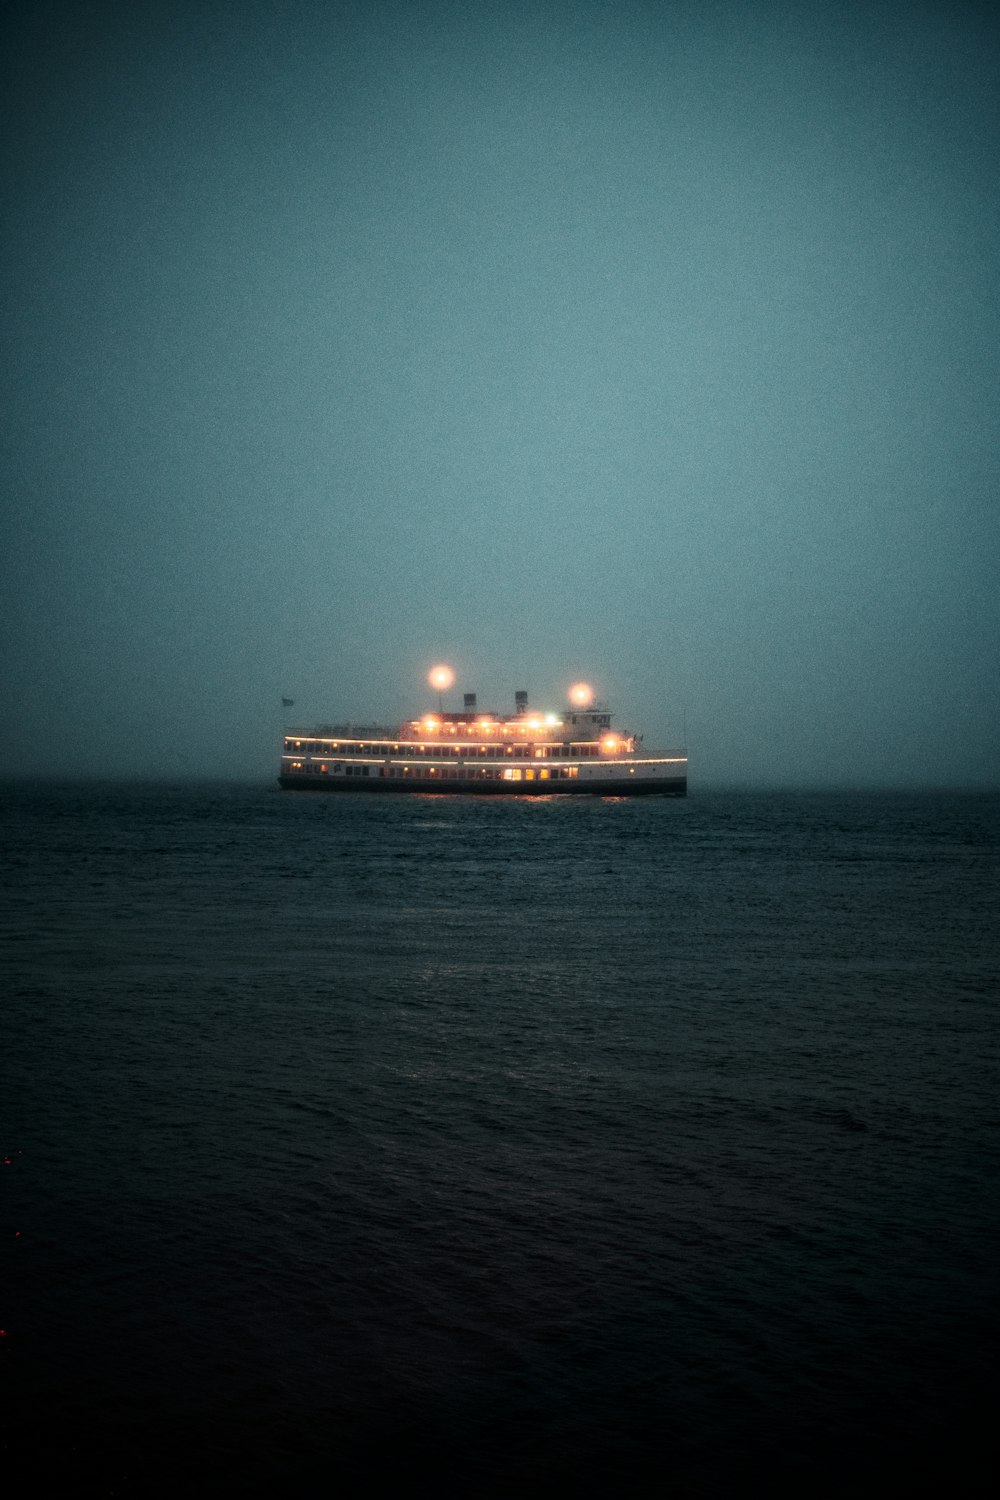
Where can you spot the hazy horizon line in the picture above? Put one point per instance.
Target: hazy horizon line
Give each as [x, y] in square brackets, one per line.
[714, 788]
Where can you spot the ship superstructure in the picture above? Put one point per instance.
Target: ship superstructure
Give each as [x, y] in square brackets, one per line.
[526, 753]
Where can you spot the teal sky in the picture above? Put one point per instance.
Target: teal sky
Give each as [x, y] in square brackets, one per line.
[655, 344]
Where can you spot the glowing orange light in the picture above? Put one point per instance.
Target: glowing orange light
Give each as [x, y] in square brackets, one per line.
[581, 694]
[441, 677]
[430, 724]
[611, 743]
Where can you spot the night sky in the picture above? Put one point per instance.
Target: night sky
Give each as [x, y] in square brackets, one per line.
[651, 344]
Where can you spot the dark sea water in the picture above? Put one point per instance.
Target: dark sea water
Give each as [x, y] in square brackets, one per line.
[602, 1146]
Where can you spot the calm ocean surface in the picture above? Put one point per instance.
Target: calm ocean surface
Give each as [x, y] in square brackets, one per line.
[623, 1147]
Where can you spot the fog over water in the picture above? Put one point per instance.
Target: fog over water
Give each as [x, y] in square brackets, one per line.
[655, 344]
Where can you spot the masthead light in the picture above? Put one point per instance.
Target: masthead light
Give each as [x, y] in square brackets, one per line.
[581, 694]
[441, 677]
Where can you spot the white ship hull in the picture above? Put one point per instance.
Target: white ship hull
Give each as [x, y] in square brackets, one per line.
[632, 778]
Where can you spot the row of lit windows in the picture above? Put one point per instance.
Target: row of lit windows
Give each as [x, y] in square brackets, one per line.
[482, 773]
[446, 752]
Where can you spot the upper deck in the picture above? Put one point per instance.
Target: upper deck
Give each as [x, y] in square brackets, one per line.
[581, 733]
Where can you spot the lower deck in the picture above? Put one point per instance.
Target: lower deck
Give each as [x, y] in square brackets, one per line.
[645, 779]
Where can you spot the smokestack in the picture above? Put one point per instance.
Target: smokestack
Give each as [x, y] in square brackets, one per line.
[470, 702]
[520, 702]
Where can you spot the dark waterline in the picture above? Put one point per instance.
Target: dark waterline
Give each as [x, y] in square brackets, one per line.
[604, 1144]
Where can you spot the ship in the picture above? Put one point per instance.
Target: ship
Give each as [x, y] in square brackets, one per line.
[471, 753]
